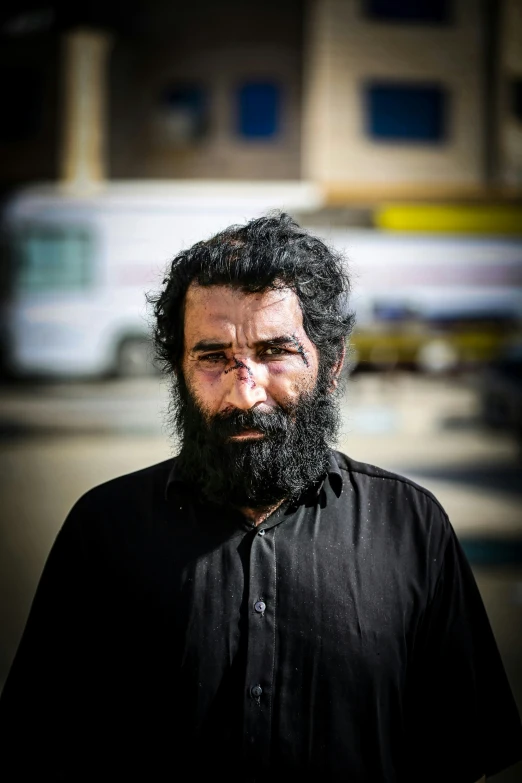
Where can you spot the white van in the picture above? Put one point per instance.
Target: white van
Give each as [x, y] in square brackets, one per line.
[81, 264]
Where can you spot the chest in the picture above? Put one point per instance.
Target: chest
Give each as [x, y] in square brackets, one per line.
[310, 592]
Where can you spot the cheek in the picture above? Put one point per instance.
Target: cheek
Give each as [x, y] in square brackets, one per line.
[277, 370]
[208, 386]
[292, 379]
[201, 376]
[204, 384]
[209, 377]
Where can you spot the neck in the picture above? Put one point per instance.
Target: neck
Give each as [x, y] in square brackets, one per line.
[258, 515]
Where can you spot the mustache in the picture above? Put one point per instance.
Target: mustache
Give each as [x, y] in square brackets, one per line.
[272, 424]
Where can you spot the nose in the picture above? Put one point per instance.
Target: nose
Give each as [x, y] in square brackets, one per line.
[245, 388]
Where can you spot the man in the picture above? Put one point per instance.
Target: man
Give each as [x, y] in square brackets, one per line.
[260, 607]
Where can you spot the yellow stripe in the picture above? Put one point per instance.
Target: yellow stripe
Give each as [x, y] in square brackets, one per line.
[472, 219]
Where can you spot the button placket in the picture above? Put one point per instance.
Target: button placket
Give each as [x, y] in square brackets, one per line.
[261, 646]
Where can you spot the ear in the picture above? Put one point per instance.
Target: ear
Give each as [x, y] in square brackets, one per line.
[338, 366]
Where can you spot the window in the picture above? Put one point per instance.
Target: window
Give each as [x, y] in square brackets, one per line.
[259, 105]
[183, 113]
[516, 99]
[416, 11]
[51, 259]
[406, 112]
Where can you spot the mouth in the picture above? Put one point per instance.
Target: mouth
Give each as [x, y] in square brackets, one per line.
[248, 435]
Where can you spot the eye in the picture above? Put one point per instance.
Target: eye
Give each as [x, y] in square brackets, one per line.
[212, 358]
[274, 350]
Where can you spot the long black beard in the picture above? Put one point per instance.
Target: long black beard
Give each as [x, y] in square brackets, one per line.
[291, 457]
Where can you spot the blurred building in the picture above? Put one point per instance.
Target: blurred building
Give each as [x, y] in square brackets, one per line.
[372, 99]
[396, 97]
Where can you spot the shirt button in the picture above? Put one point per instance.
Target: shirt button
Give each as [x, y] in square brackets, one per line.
[260, 606]
[261, 533]
[256, 691]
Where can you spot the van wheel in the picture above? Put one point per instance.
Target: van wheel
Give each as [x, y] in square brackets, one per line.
[135, 359]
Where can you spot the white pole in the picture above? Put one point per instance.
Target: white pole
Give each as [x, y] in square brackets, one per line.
[84, 114]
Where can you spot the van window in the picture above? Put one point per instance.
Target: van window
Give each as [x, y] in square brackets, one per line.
[53, 259]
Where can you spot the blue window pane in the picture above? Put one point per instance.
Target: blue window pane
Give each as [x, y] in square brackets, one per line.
[411, 112]
[259, 110]
[408, 10]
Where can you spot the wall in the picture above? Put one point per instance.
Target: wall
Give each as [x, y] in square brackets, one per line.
[30, 69]
[510, 135]
[344, 50]
[219, 46]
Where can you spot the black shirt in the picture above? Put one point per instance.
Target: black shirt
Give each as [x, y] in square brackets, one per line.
[344, 639]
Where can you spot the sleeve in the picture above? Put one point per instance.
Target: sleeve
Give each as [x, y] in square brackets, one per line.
[49, 672]
[462, 719]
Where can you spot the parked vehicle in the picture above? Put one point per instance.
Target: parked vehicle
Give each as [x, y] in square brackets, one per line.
[435, 343]
[81, 264]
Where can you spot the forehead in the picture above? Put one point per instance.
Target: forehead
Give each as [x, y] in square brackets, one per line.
[221, 308]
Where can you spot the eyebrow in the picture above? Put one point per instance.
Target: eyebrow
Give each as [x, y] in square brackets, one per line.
[209, 345]
[213, 345]
[285, 339]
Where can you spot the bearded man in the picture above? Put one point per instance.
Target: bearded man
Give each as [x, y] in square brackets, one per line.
[260, 607]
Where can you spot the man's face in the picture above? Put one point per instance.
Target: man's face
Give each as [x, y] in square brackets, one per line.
[253, 408]
[246, 351]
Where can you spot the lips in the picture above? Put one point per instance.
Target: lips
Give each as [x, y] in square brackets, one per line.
[247, 435]
[248, 426]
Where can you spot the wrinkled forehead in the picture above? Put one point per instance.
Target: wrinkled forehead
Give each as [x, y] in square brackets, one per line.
[219, 305]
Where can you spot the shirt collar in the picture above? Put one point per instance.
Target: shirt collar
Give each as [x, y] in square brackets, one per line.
[177, 485]
[334, 475]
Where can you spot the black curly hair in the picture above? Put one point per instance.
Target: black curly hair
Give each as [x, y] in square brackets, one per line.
[269, 252]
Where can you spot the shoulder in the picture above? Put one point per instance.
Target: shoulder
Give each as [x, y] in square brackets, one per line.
[395, 503]
[150, 479]
[381, 481]
[124, 498]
